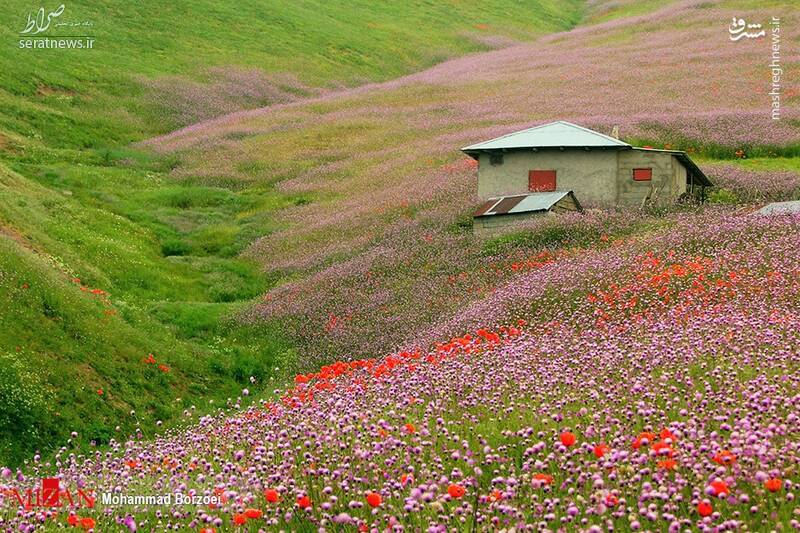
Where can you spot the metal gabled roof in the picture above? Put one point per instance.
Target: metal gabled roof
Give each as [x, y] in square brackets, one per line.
[521, 203]
[559, 134]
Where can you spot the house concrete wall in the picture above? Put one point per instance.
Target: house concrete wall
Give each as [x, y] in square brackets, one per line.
[590, 174]
[665, 186]
[603, 177]
[680, 177]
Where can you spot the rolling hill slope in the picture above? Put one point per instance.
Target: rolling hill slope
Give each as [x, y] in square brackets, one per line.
[156, 66]
[106, 259]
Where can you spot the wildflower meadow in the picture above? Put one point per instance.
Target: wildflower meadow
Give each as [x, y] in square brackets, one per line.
[650, 385]
[241, 290]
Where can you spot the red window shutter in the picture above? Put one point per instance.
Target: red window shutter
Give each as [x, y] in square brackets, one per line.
[642, 174]
[541, 180]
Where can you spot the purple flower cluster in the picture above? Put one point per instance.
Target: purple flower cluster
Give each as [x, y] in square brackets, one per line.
[756, 186]
[228, 90]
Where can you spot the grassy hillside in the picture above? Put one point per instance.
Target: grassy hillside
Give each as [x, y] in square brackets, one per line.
[87, 295]
[157, 66]
[354, 204]
[107, 259]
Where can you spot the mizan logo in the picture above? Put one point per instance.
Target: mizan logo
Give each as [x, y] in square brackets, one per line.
[49, 494]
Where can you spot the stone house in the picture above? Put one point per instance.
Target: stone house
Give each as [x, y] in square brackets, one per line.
[600, 170]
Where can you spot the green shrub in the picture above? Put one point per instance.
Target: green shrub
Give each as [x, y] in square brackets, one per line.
[463, 224]
[220, 239]
[26, 408]
[175, 247]
[723, 196]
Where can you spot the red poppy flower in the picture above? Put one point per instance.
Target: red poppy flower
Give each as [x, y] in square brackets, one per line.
[99, 392]
[304, 502]
[374, 499]
[208, 530]
[704, 509]
[544, 478]
[719, 488]
[239, 519]
[495, 496]
[456, 491]
[253, 513]
[73, 520]
[410, 428]
[667, 464]
[271, 495]
[724, 458]
[644, 438]
[600, 450]
[87, 523]
[568, 438]
[667, 436]
[662, 448]
[774, 484]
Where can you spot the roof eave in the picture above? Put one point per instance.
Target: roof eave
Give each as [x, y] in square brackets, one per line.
[684, 158]
[475, 152]
[510, 214]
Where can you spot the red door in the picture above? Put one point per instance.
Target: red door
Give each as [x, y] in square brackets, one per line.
[541, 180]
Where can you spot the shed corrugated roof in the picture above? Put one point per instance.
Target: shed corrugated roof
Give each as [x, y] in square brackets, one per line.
[553, 135]
[520, 203]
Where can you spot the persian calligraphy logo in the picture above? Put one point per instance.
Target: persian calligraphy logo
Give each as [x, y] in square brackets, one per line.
[38, 23]
[740, 29]
[37, 31]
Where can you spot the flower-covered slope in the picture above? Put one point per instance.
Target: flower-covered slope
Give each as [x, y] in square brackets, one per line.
[385, 188]
[652, 385]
